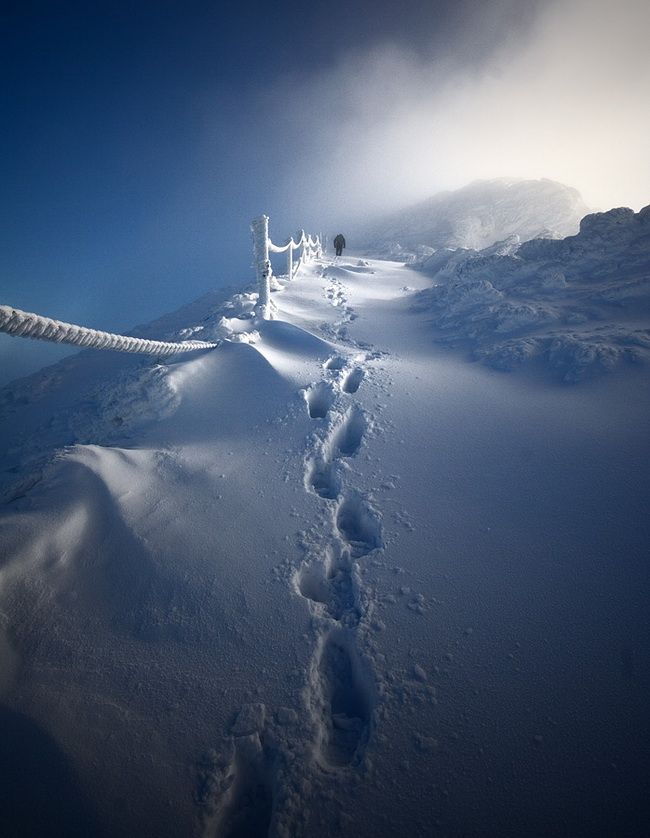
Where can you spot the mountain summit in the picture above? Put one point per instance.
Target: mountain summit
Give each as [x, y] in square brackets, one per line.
[478, 215]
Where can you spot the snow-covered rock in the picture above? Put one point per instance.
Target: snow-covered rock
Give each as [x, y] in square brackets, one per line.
[580, 305]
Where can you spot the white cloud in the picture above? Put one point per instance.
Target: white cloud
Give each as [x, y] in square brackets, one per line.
[566, 100]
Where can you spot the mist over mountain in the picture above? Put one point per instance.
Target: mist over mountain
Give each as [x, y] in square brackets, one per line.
[477, 216]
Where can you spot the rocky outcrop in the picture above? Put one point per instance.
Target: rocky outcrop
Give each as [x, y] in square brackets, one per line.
[580, 305]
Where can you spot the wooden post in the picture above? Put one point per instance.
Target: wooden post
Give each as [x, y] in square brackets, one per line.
[262, 264]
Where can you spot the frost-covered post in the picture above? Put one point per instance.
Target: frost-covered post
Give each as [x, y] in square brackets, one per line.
[262, 264]
[290, 260]
[302, 239]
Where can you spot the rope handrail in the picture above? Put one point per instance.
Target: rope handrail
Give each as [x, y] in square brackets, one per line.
[312, 243]
[274, 248]
[262, 246]
[26, 324]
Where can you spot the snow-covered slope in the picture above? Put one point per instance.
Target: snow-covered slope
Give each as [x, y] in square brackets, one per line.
[579, 305]
[476, 216]
[324, 580]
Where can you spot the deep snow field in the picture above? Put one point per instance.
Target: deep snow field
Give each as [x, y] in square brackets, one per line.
[330, 578]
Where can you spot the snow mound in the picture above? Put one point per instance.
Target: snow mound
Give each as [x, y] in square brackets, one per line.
[345, 271]
[579, 305]
[107, 398]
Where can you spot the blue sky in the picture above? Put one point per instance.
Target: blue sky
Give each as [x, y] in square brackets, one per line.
[136, 149]
[142, 137]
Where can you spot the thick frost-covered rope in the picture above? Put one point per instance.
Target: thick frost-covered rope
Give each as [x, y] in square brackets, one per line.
[274, 248]
[19, 323]
[314, 244]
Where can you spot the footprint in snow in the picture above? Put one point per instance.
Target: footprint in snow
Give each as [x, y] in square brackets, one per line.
[322, 474]
[359, 524]
[345, 703]
[345, 438]
[331, 584]
[336, 362]
[319, 398]
[352, 380]
[243, 785]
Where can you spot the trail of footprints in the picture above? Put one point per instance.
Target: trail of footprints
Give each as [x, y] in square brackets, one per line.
[340, 683]
[336, 296]
[239, 784]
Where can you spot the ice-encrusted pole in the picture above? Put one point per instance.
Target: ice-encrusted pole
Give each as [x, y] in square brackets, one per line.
[290, 260]
[302, 240]
[262, 263]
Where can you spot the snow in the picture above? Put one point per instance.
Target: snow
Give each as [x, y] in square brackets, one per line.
[578, 306]
[331, 578]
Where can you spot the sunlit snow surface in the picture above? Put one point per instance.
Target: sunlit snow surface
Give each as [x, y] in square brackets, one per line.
[328, 579]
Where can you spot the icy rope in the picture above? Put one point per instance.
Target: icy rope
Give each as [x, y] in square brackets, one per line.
[262, 246]
[24, 324]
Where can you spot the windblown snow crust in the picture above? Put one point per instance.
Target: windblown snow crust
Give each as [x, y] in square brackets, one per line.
[580, 305]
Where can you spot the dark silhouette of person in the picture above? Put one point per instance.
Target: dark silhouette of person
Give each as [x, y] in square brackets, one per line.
[339, 244]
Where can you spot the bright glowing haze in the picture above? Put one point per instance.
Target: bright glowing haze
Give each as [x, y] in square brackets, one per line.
[563, 100]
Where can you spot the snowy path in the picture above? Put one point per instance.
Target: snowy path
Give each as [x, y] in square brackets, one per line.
[343, 584]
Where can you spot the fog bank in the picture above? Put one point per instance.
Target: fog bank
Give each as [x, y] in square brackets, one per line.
[562, 97]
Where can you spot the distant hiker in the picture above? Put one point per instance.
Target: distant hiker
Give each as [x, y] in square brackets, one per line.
[339, 244]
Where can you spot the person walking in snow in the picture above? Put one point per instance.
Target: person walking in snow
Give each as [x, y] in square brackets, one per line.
[339, 244]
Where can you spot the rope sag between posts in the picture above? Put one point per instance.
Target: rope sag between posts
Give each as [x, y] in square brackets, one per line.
[262, 246]
[26, 324]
